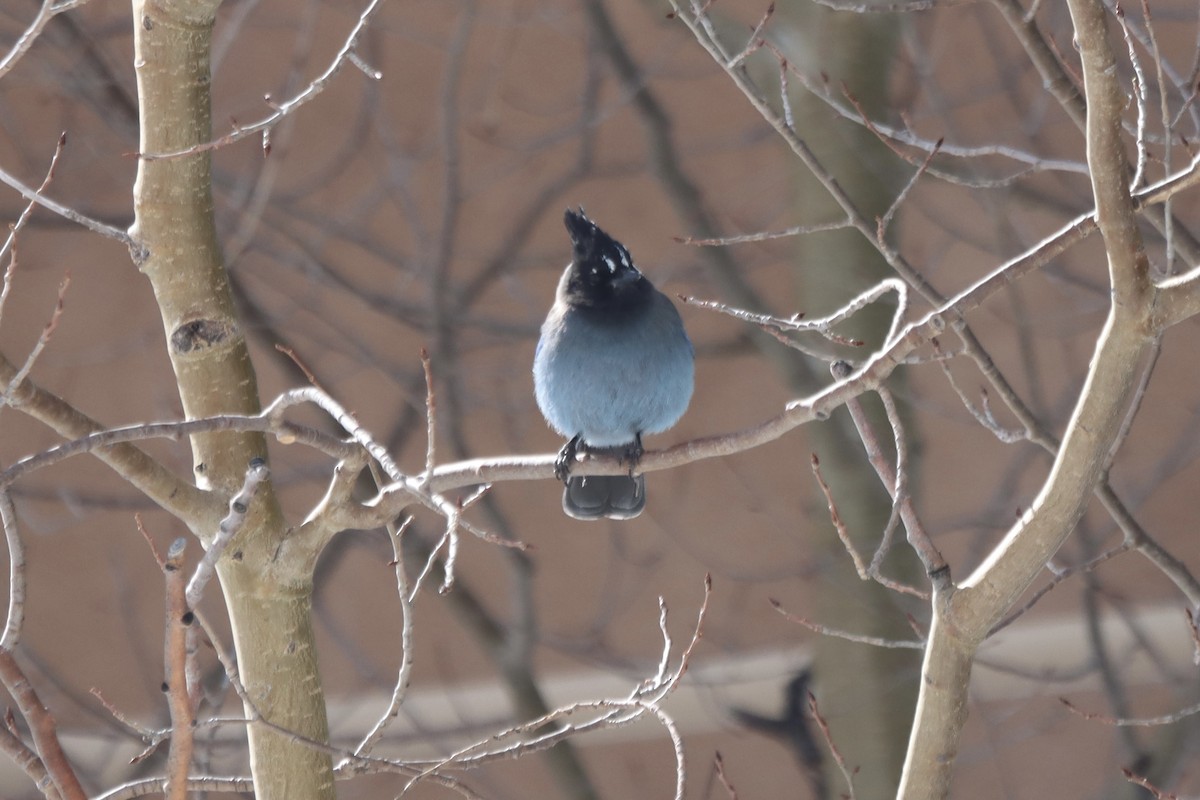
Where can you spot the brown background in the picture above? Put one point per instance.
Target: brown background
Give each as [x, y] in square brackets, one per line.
[453, 170]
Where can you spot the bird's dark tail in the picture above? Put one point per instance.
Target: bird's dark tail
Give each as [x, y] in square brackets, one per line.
[612, 496]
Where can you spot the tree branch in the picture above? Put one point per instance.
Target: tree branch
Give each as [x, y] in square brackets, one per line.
[42, 726]
[963, 619]
[179, 497]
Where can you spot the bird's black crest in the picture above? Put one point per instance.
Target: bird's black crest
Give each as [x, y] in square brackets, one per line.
[590, 242]
[602, 274]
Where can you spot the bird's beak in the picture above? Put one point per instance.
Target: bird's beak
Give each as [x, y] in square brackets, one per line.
[626, 277]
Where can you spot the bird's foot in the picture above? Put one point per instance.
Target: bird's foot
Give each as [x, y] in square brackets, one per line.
[632, 453]
[566, 457]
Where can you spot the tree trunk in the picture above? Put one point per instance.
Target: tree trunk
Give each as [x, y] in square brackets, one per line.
[866, 693]
[268, 602]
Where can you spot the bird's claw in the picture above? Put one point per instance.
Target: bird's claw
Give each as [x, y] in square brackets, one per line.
[566, 457]
[633, 453]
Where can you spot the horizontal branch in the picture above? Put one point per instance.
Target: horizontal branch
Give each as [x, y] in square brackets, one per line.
[177, 496]
[866, 377]
[35, 196]
[1178, 299]
[103, 438]
[196, 783]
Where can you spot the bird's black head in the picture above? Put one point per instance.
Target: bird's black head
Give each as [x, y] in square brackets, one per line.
[602, 274]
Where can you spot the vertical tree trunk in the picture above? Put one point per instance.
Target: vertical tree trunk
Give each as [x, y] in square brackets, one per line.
[268, 601]
[867, 694]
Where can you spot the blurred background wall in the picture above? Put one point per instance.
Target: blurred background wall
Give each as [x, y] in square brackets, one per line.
[423, 209]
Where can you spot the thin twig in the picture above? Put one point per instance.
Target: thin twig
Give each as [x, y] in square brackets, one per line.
[935, 565]
[430, 416]
[47, 12]
[755, 41]
[556, 726]
[825, 630]
[1137, 722]
[35, 196]
[23, 219]
[42, 340]
[839, 524]
[1061, 575]
[20, 753]
[9, 272]
[763, 236]
[719, 766]
[102, 438]
[785, 98]
[1144, 782]
[404, 673]
[1194, 630]
[1139, 91]
[838, 758]
[179, 620]
[287, 107]
[983, 412]
[886, 220]
[822, 325]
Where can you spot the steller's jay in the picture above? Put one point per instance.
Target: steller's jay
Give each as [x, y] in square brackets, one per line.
[613, 362]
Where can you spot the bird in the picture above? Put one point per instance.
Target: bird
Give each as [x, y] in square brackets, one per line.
[613, 362]
[793, 728]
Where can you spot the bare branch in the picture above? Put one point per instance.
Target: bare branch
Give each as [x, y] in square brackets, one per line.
[196, 783]
[1142, 781]
[26, 213]
[344, 56]
[16, 572]
[719, 766]
[893, 480]
[99, 439]
[35, 196]
[558, 725]
[230, 526]
[824, 325]
[963, 619]
[838, 758]
[158, 483]
[1135, 722]
[48, 10]
[798, 230]
[178, 625]
[42, 726]
[29, 762]
[42, 341]
[838, 524]
[825, 630]
[404, 674]
[430, 416]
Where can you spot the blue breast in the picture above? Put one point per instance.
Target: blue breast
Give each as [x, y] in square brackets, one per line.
[609, 382]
